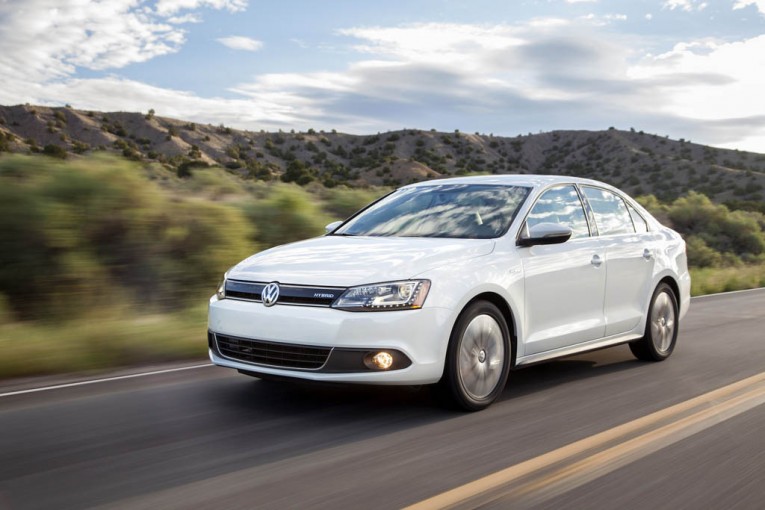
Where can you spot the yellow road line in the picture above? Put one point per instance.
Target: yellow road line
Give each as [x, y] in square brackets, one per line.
[716, 405]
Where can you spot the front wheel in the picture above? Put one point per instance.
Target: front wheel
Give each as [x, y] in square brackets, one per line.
[478, 358]
[661, 327]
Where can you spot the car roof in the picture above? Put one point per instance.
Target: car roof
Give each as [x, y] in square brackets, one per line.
[532, 180]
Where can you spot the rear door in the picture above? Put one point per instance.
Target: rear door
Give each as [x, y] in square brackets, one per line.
[629, 249]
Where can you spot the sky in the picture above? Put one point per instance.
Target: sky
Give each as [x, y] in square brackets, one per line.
[688, 69]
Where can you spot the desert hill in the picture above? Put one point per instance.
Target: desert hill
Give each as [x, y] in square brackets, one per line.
[638, 162]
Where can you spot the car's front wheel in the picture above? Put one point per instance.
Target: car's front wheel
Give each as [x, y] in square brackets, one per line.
[478, 358]
[660, 336]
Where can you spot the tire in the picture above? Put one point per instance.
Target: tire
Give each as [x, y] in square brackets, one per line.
[478, 358]
[661, 327]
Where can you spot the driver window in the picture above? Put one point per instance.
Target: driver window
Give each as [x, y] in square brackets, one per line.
[563, 206]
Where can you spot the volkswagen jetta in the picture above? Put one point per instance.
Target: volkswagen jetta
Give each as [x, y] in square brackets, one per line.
[456, 282]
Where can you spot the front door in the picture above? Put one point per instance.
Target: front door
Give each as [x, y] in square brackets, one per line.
[564, 283]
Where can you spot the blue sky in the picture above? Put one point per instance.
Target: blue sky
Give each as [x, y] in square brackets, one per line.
[684, 68]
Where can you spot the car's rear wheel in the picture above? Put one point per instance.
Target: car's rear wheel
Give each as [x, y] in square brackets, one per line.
[661, 327]
[478, 358]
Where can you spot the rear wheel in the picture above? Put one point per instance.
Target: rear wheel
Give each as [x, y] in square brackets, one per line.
[478, 359]
[661, 327]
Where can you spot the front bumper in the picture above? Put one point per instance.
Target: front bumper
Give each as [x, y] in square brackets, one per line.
[417, 338]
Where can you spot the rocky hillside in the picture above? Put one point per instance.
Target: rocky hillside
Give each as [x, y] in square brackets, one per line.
[635, 161]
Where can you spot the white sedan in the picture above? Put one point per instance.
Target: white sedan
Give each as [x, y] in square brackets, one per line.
[456, 282]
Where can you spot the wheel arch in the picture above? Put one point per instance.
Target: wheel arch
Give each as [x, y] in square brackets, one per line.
[672, 285]
[507, 313]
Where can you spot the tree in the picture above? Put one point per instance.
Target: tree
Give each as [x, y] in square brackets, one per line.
[54, 151]
[297, 172]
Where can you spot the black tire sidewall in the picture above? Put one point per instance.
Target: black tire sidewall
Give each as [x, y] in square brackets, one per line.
[647, 339]
[451, 376]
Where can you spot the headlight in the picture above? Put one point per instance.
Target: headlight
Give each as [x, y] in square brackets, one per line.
[404, 295]
[221, 292]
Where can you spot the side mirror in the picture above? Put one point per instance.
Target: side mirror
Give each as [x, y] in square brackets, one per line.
[332, 226]
[544, 233]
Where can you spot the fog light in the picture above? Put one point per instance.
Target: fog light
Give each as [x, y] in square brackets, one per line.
[382, 360]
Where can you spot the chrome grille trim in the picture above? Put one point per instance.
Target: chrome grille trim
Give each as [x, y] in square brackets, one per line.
[289, 294]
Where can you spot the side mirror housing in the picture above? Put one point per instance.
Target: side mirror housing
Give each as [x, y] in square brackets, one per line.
[332, 226]
[544, 233]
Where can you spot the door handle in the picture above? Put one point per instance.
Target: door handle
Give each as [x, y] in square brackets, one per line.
[596, 260]
[647, 254]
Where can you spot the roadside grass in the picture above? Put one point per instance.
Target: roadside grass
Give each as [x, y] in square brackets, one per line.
[103, 342]
[726, 279]
[122, 337]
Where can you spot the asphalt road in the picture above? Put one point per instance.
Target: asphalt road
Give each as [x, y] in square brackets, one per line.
[211, 438]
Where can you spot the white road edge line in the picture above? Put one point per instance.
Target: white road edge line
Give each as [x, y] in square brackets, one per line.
[729, 292]
[106, 379]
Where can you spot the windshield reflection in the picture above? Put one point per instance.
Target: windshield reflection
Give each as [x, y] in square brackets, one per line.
[466, 211]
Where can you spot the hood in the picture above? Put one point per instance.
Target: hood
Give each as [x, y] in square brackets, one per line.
[348, 261]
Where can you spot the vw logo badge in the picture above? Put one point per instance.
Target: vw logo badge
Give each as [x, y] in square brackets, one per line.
[270, 294]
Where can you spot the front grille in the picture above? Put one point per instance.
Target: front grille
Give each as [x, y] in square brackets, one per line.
[288, 294]
[272, 354]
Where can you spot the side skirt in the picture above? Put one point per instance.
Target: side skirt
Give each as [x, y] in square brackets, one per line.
[592, 345]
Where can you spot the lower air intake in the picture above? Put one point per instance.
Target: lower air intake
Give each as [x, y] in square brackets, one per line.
[272, 354]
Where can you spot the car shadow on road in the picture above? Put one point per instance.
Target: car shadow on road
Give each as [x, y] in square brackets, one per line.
[272, 421]
[546, 375]
[283, 398]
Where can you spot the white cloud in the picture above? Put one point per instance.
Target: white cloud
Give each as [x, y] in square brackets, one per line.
[436, 43]
[99, 94]
[42, 39]
[554, 75]
[48, 39]
[438, 68]
[739, 66]
[580, 1]
[603, 19]
[685, 5]
[43, 42]
[186, 18]
[760, 4]
[169, 7]
[238, 42]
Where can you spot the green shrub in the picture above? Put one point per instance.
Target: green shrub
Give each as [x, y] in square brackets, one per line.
[736, 232]
[97, 231]
[288, 214]
[715, 235]
[342, 202]
[54, 151]
[701, 255]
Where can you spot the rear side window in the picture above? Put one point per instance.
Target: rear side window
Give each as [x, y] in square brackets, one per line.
[563, 206]
[640, 224]
[611, 214]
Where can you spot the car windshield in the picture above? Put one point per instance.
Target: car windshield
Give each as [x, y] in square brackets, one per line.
[468, 211]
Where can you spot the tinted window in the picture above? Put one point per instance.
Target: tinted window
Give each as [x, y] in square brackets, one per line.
[611, 213]
[470, 211]
[637, 220]
[563, 206]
